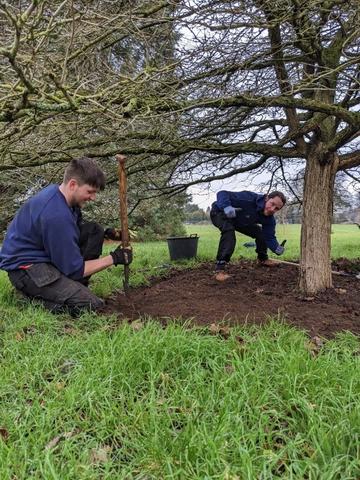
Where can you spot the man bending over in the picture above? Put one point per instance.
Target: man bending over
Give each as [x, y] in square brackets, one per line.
[251, 214]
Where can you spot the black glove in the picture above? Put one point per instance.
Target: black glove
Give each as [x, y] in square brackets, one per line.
[122, 256]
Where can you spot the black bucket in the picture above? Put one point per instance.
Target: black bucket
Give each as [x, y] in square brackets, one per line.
[183, 247]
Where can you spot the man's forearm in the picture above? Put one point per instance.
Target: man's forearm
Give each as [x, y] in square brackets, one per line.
[93, 266]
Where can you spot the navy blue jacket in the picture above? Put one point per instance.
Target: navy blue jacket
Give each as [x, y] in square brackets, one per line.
[251, 207]
[44, 230]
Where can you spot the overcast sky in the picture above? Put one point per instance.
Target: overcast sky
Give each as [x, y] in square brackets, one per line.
[204, 195]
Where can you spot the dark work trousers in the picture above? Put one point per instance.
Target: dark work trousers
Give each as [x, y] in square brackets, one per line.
[227, 242]
[91, 240]
[58, 293]
[90, 243]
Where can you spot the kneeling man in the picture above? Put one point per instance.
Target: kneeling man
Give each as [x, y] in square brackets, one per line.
[50, 253]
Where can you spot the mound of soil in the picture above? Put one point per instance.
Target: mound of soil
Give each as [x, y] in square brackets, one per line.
[250, 295]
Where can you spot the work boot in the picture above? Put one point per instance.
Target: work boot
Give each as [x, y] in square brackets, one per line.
[268, 263]
[221, 276]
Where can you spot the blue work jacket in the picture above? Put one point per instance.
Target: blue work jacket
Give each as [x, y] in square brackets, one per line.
[44, 230]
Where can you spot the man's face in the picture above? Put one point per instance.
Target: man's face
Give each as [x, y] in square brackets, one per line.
[80, 194]
[272, 205]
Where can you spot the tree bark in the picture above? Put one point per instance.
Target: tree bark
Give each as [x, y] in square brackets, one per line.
[315, 256]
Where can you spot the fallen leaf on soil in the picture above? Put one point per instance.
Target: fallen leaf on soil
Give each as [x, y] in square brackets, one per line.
[229, 368]
[69, 330]
[214, 328]
[340, 290]
[100, 455]
[4, 433]
[72, 433]
[63, 436]
[19, 336]
[67, 366]
[217, 330]
[30, 330]
[314, 345]
[165, 377]
[319, 342]
[136, 325]
[53, 442]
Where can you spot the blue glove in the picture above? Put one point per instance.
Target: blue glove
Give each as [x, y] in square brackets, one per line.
[230, 211]
[280, 248]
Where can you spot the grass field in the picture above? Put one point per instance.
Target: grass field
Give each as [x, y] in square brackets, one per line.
[345, 240]
[85, 399]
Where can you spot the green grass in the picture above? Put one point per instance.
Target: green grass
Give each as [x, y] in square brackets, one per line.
[345, 240]
[173, 403]
[89, 399]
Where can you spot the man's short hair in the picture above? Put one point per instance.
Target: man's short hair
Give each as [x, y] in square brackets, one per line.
[277, 194]
[85, 171]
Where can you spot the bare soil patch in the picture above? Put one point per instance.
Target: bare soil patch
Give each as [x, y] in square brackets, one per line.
[251, 295]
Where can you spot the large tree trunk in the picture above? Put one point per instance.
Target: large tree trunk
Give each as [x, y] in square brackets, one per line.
[315, 261]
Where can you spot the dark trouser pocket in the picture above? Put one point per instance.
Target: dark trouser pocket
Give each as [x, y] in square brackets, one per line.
[43, 274]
